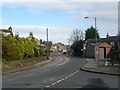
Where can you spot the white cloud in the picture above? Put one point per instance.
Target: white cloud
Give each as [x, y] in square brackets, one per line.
[106, 14]
[56, 34]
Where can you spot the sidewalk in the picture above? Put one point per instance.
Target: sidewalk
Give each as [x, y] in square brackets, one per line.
[99, 67]
[4, 72]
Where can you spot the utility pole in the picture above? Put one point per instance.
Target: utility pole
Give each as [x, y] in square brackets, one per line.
[47, 44]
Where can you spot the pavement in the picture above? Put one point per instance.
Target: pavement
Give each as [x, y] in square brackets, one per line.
[99, 67]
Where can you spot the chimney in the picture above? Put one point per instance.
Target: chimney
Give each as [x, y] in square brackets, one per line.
[40, 41]
[10, 28]
[31, 34]
[107, 35]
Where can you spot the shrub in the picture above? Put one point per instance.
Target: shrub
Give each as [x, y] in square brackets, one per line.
[9, 52]
[16, 48]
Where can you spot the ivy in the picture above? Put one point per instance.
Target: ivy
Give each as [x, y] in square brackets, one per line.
[16, 48]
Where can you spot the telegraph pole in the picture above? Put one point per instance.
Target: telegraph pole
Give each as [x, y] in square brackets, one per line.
[47, 44]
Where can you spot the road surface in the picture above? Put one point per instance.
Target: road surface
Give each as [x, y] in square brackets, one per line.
[63, 72]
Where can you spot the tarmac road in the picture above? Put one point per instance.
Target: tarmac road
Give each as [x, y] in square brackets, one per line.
[63, 72]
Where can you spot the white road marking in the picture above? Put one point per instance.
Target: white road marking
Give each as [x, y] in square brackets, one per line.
[66, 77]
[59, 81]
[47, 86]
[53, 84]
[62, 79]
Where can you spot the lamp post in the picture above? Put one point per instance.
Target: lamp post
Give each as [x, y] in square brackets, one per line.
[95, 34]
[95, 28]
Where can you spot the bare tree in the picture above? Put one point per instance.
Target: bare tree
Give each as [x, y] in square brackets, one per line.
[76, 35]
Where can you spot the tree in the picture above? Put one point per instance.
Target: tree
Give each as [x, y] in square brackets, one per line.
[77, 48]
[76, 35]
[77, 38]
[90, 33]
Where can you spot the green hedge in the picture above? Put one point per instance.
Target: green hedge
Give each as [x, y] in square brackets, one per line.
[16, 48]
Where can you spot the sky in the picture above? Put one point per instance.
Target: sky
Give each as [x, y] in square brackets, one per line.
[61, 17]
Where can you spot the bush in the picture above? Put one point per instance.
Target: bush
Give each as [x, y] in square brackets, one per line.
[77, 46]
[9, 52]
[16, 48]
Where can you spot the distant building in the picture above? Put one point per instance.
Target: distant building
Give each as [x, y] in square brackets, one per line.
[60, 47]
[31, 36]
[6, 31]
[54, 48]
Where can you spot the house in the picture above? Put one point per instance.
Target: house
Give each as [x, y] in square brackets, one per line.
[31, 36]
[60, 47]
[111, 40]
[102, 50]
[53, 48]
[6, 31]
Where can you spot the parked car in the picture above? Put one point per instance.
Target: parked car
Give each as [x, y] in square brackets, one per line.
[65, 52]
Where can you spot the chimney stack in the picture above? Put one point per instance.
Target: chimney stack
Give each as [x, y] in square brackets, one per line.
[31, 34]
[107, 35]
[10, 28]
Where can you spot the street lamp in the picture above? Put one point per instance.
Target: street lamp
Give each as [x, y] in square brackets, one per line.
[95, 34]
[95, 27]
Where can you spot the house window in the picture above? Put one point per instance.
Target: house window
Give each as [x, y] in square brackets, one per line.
[112, 43]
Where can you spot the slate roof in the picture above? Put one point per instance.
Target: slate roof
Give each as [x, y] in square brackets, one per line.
[109, 39]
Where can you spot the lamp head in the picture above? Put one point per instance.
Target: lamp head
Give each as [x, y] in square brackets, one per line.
[86, 17]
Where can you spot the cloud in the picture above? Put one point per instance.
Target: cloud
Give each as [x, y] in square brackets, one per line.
[105, 12]
[56, 34]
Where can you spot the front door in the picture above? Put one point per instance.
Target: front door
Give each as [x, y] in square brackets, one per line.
[101, 53]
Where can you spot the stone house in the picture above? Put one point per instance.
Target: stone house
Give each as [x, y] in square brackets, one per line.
[6, 31]
[31, 36]
[53, 48]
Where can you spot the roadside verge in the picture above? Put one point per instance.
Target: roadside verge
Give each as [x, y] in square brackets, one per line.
[4, 72]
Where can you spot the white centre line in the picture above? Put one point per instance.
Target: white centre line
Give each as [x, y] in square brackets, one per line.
[53, 84]
[47, 86]
[62, 79]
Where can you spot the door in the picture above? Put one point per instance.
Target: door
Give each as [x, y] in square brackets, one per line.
[101, 53]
